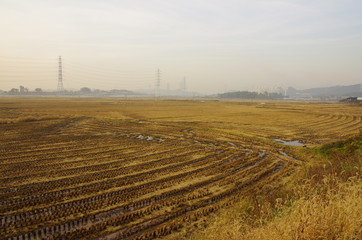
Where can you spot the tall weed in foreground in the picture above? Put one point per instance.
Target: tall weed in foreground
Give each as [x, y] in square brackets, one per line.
[326, 202]
[333, 213]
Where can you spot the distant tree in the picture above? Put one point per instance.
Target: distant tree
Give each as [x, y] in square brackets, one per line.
[14, 90]
[85, 90]
[38, 90]
[23, 89]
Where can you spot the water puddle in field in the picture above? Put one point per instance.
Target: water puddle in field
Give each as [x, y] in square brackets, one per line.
[150, 138]
[287, 155]
[289, 143]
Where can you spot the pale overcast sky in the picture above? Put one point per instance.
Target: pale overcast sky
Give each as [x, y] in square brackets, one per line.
[218, 45]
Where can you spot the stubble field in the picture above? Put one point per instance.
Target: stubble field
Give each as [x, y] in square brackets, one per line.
[143, 169]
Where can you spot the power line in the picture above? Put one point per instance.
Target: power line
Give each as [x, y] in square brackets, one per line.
[97, 71]
[30, 71]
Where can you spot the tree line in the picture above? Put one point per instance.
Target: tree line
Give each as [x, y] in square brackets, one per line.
[251, 95]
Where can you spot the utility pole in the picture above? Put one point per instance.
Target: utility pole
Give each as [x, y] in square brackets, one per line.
[60, 76]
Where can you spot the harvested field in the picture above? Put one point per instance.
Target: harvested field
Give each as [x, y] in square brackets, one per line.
[143, 169]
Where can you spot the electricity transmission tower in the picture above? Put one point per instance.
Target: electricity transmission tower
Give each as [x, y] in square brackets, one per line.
[60, 76]
[183, 84]
[158, 83]
[184, 87]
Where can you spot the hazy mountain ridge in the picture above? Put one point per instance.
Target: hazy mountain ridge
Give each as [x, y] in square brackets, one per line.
[335, 91]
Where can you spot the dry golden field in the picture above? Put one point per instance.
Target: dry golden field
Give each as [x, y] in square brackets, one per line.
[143, 169]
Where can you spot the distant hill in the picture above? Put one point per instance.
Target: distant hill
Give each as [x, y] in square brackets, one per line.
[335, 91]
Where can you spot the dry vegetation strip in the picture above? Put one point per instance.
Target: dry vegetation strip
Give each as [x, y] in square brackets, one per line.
[322, 202]
[111, 169]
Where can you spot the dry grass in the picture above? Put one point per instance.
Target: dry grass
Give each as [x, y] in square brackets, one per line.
[333, 215]
[323, 203]
[23, 119]
[320, 201]
[310, 122]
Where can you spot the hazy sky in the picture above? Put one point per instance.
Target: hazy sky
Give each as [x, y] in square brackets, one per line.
[217, 45]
